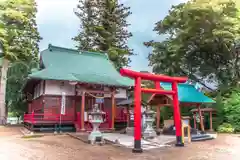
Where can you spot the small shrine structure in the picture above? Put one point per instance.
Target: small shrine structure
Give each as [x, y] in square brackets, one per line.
[188, 96]
[86, 78]
[210, 111]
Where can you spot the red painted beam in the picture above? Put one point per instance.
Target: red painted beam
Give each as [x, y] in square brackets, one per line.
[153, 77]
[158, 91]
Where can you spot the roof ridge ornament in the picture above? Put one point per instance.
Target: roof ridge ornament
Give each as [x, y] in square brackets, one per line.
[53, 47]
[106, 55]
[95, 53]
[50, 46]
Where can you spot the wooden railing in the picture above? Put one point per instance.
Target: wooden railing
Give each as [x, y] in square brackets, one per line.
[43, 117]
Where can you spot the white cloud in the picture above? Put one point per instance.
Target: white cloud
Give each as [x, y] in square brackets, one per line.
[123, 1]
[56, 10]
[56, 21]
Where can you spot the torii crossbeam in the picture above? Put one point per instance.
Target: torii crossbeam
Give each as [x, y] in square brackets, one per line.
[138, 76]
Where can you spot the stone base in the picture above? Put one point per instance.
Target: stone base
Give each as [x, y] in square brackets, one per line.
[149, 134]
[137, 150]
[95, 137]
[137, 147]
[158, 131]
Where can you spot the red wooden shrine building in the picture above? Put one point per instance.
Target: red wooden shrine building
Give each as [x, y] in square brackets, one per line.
[83, 77]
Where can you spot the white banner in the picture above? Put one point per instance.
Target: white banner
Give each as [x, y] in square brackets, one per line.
[63, 103]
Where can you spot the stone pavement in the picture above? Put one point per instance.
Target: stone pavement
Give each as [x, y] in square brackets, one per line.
[128, 141]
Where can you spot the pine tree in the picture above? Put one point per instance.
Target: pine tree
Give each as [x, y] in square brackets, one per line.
[87, 13]
[104, 29]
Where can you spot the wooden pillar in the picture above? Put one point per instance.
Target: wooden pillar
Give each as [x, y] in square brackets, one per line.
[74, 107]
[113, 109]
[158, 118]
[157, 86]
[29, 107]
[128, 116]
[194, 120]
[210, 115]
[189, 133]
[200, 116]
[75, 102]
[82, 111]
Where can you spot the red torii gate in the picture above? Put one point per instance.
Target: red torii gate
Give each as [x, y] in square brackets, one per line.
[138, 76]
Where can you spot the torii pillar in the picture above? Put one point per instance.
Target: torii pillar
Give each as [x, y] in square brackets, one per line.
[138, 76]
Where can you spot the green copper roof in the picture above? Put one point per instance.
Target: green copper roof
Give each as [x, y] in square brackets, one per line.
[188, 93]
[72, 65]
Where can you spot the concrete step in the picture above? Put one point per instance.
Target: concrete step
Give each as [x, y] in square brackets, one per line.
[25, 131]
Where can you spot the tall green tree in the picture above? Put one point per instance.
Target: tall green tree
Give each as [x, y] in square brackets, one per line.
[104, 29]
[20, 41]
[202, 41]
[87, 12]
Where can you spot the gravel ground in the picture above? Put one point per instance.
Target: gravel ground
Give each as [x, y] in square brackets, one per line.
[63, 147]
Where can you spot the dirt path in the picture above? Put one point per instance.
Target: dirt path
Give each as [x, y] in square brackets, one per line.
[65, 148]
[9, 131]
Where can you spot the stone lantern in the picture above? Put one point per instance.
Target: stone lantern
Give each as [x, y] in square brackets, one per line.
[130, 127]
[95, 118]
[149, 132]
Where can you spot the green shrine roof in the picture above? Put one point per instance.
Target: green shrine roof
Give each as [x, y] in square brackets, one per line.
[187, 93]
[71, 65]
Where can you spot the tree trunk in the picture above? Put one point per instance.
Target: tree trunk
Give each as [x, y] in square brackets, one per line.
[195, 78]
[3, 82]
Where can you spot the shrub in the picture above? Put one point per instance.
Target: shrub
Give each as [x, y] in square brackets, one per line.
[225, 128]
[232, 108]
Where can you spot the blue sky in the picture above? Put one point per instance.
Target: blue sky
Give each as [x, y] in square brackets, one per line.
[57, 24]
